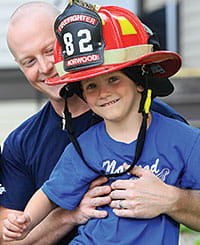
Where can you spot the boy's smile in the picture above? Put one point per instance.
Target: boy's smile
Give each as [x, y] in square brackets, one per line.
[113, 96]
[110, 103]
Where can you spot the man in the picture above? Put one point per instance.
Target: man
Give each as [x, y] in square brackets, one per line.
[36, 144]
[34, 147]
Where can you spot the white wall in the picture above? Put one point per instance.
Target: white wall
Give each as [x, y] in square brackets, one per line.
[150, 5]
[190, 34]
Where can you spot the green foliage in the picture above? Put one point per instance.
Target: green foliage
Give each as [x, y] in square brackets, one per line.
[186, 229]
[197, 241]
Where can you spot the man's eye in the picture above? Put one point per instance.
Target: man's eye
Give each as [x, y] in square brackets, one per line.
[28, 63]
[50, 51]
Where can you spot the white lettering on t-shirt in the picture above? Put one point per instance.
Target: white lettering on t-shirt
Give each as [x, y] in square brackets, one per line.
[2, 189]
[111, 167]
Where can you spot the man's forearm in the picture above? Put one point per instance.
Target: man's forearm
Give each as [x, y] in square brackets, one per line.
[186, 209]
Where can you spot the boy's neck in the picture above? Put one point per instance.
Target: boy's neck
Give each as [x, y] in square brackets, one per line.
[128, 130]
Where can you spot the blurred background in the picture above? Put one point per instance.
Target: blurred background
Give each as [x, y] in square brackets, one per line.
[177, 24]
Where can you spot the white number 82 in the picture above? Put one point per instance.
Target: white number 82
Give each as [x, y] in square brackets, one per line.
[84, 45]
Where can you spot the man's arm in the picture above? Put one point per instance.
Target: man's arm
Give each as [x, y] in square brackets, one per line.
[148, 197]
[60, 222]
[186, 209]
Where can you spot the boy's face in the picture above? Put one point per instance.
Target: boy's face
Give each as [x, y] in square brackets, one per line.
[112, 96]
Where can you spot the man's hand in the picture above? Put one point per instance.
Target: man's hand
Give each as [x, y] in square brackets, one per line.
[97, 195]
[144, 197]
[16, 227]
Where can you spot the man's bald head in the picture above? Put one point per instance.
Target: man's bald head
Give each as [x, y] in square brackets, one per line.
[28, 14]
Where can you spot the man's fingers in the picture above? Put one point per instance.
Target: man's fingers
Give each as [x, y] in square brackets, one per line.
[125, 184]
[94, 213]
[138, 171]
[23, 219]
[18, 219]
[12, 217]
[119, 204]
[10, 233]
[98, 181]
[126, 213]
[122, 184]
[11, 227]
[99, 191]
[15, 226]
[100, 201]
[119, 194]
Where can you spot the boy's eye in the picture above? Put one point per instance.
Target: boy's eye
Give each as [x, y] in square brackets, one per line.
[91, 86]
[113, 79]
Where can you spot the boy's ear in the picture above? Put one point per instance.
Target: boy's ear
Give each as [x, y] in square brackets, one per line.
[140, 89]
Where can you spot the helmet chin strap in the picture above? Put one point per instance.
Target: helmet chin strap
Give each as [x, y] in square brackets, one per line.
[144, 108]
[145, 104]
[65, 93]
[66, 121]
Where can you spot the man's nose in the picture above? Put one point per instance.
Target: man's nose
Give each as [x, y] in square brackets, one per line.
[46, 64]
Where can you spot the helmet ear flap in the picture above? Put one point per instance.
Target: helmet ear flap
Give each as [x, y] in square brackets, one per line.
[70, 89]
[153, 39]
[65, 92]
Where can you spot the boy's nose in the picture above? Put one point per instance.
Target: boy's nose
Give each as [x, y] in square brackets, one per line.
[104, 91]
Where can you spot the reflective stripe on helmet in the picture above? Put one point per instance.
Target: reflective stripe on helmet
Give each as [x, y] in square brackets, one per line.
[115, 56]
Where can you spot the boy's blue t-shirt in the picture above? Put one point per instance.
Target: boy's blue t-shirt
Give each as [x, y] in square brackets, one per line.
[171, 152]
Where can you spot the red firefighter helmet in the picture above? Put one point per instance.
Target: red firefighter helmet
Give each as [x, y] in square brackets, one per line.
[93, 43]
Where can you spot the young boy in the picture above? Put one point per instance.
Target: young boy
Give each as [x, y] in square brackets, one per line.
[117, 73]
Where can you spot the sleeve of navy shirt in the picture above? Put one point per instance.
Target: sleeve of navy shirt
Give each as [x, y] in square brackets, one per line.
[25, 155]
[2, 189]
[166, 110]
[15, 179]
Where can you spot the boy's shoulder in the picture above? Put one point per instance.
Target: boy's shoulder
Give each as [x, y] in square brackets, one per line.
[92, 131]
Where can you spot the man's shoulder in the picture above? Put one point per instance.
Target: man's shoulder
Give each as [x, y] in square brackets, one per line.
[30, 125]
[166, 110]
[173, 127]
